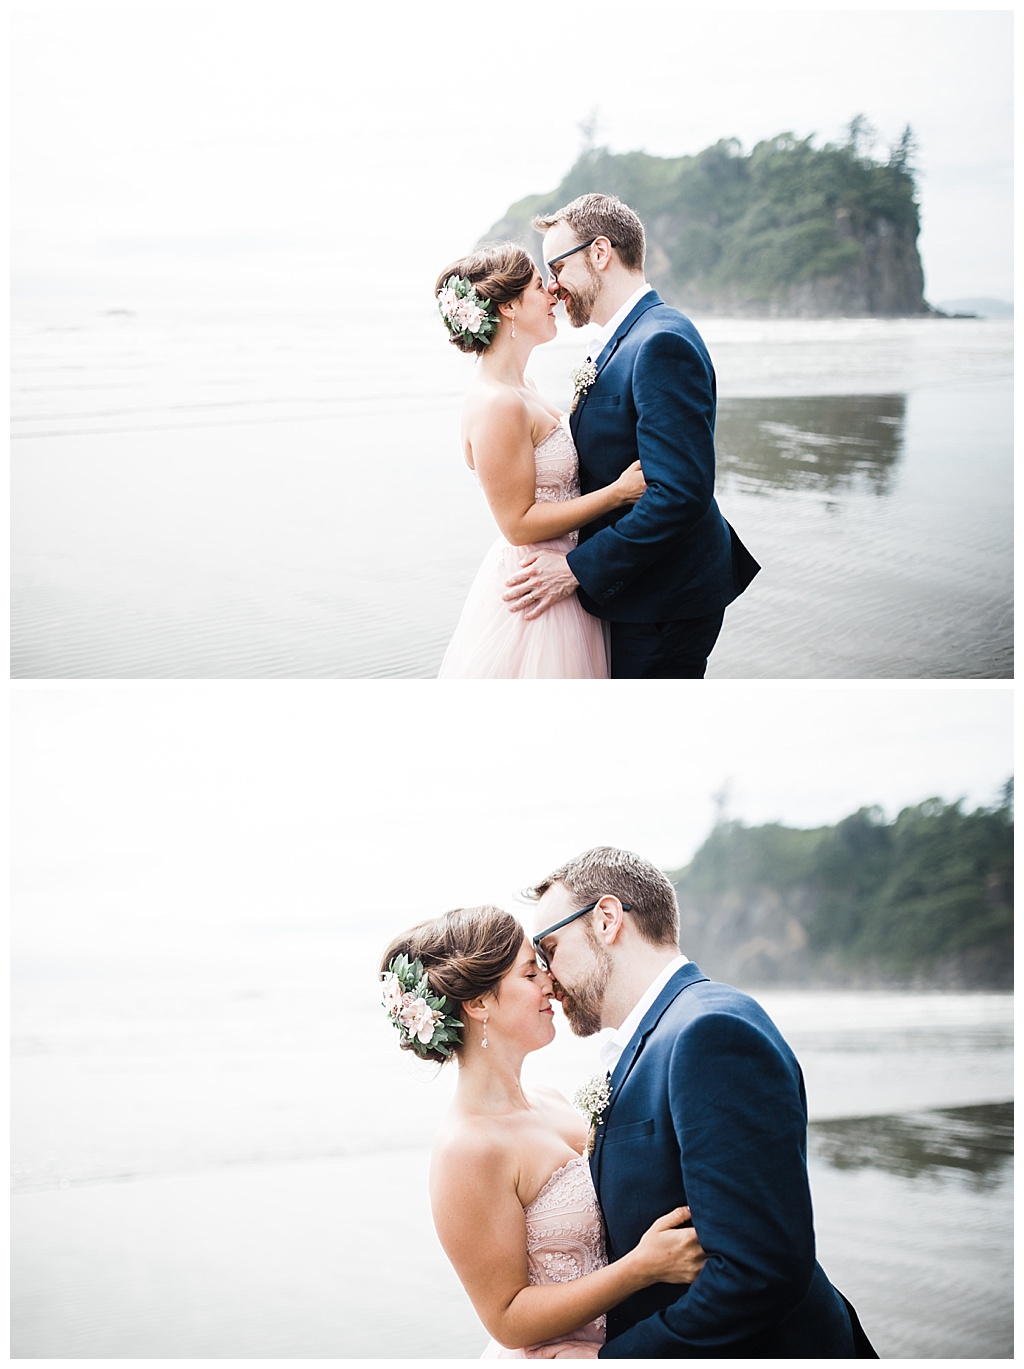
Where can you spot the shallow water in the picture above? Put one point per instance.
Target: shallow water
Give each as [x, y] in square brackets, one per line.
[283, 496]
[223, 1164]
[914, 1220]
[884, 526]
[299, 1260]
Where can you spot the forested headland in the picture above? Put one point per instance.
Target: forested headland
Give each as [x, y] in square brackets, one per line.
[922, 901]
[786, 230]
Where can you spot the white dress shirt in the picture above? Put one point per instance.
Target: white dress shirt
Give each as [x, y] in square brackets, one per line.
[604, 335]
[611, 1049]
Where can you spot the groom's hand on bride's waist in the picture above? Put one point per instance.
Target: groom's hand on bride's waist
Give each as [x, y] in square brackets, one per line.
[542, 579]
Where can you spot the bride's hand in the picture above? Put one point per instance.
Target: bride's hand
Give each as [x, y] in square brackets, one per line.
[630, 484]
[671, 1253]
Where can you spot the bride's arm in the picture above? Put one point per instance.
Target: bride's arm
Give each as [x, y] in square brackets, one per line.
[482, 1227]
[501, 441]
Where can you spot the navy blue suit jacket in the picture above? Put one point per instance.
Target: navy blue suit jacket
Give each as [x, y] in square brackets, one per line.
[708, 1109]
[671, 555]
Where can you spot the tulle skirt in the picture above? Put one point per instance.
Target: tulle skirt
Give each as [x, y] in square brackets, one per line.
[492, 643]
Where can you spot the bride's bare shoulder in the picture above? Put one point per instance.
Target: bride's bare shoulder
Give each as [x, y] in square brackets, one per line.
[490, 402]
[465, 1146]
[465, 1136]
[495, 419]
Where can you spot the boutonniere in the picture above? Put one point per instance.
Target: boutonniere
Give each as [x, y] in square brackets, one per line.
[582, 379]
[591, 1100]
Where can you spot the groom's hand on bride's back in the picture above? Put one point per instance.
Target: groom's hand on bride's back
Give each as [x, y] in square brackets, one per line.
[542, 579]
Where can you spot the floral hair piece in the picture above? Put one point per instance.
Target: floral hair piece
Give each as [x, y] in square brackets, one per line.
[417, 1013]
[464, 311]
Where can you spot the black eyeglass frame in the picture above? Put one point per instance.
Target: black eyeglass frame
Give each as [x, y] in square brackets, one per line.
[538, 949]
[555, 264]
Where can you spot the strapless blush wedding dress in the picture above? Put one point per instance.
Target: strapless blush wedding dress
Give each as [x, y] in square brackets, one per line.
[564, 1240]
[565, 642]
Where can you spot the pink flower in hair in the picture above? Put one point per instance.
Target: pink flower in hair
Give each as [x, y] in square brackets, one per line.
[419, 1018]
[392, 994]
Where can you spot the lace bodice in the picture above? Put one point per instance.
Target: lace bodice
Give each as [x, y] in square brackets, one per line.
[558, 476]
[564, 1241]
[565, 1233]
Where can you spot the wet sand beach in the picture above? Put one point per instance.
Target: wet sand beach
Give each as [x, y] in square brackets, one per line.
[285, 497]
[238, 1174]
[337, 1258]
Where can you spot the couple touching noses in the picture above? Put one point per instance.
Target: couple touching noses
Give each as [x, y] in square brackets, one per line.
[682, 1226]
[615, 560]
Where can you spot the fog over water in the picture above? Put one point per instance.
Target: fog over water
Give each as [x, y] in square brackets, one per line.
[148, 821]
[318, 157]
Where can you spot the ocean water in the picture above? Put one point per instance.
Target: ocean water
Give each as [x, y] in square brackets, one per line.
[282, 495]
[226, 1157]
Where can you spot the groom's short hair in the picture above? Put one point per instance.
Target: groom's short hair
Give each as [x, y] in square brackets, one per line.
[597, 216]
[631, 879]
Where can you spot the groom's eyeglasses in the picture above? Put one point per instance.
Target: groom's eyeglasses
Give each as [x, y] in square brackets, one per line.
[555, 264]
[542, 959]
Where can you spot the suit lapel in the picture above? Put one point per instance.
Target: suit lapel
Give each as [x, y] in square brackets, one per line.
[646, 302]
[682, 979]
[606, 353]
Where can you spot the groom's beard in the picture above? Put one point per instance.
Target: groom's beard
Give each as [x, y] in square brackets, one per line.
[583, 1004]
[580, 304]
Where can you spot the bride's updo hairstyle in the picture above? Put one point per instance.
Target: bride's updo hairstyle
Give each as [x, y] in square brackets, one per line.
[465, 953]
[498, 273]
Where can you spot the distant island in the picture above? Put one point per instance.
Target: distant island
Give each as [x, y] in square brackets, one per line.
[787, 230]
[924, 901]
[977, 307]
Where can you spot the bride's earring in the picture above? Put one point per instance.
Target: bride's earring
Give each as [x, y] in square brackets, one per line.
[513, 324]
[485, 1032]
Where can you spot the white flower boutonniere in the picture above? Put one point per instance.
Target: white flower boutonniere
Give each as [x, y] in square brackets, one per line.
[582, 379]
[591, 1100]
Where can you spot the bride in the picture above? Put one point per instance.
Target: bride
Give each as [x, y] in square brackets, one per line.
[510, 1187]
[494, 305]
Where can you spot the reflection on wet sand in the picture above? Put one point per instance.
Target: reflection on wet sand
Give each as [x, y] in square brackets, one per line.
[972, 1143]
[820, 443]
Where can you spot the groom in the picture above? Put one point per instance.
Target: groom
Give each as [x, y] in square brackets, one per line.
[663, 570]
[707, 1110]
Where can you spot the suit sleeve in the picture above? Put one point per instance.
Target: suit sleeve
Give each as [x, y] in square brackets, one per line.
[740, 1121]
[673, 389]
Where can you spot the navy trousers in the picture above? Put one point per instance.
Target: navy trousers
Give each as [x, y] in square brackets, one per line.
[664, 651]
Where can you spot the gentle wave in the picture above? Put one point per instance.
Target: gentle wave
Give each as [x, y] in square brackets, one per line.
[365, 406]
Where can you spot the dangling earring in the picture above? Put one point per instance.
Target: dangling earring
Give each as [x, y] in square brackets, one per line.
[485, 1032]
[513, 323]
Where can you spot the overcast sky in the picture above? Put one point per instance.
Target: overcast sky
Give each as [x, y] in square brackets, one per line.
[145, 814]
[308, 151]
